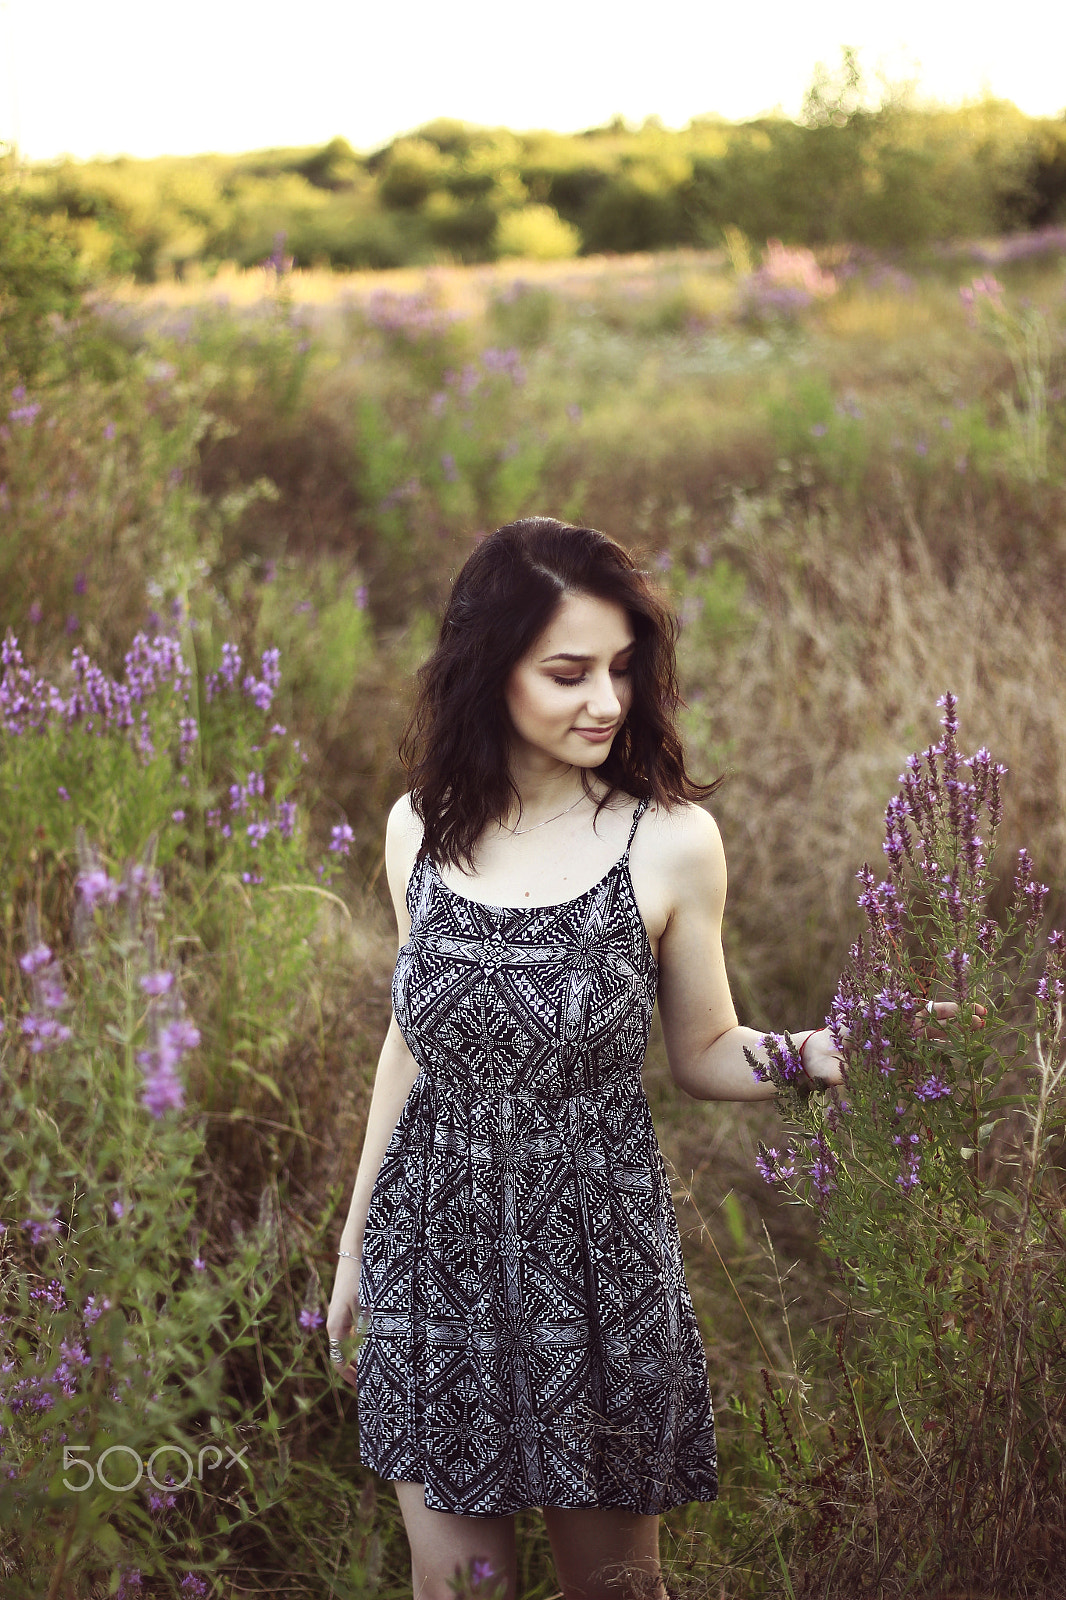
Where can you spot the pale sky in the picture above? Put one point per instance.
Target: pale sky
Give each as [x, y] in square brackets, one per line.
[141, 77]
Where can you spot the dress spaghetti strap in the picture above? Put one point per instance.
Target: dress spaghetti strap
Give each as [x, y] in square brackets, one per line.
[638, 813]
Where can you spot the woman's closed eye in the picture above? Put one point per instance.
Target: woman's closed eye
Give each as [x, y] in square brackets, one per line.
[618, 672]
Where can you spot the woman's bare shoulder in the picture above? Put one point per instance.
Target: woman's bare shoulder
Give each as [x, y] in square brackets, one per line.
[686, 847]
[403, 837]
[403, 821]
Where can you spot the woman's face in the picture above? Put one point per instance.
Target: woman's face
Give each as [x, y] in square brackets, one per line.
[569, 695]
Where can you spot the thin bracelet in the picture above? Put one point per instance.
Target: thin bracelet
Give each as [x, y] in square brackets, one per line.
[353, 1257]
[803, 1067]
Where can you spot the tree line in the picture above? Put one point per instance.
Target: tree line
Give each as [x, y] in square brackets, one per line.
[895, 175]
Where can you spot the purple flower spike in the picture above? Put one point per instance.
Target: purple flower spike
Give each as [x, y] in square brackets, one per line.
[35, 959]
[43, 1032]
[95, 885]
[775, 1167]
[156, 983]
[341, 839]
[163, 1091]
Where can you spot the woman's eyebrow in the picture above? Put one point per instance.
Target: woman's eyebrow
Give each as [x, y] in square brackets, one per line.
[566, 655]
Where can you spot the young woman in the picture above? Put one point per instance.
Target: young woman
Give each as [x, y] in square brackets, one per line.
[529, 1335]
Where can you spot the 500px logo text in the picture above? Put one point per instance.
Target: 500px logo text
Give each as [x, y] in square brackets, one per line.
[95, 1472]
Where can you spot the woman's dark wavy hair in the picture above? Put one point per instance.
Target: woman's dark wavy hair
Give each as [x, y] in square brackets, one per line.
[455, 745]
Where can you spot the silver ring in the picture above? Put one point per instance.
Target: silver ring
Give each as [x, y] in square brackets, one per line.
[931, 1007]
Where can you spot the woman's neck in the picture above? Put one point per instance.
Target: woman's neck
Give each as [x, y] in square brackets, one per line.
[543, 794]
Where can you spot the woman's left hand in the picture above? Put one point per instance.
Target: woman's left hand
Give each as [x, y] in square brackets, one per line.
[933, 1012]
[821, 1060]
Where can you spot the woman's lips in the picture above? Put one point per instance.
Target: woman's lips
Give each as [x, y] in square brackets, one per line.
[596, 735]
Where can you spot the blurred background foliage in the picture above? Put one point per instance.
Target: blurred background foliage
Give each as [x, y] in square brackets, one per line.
[898, 174]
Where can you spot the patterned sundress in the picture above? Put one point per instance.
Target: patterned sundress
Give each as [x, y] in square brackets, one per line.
[530, 1337]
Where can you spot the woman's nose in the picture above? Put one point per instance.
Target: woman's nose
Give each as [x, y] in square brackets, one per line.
[603, 702]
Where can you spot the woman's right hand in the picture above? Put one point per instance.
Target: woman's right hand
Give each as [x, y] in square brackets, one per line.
[345, 1312]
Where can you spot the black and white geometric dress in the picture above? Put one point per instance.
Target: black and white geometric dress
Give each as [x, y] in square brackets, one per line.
[530, 1338]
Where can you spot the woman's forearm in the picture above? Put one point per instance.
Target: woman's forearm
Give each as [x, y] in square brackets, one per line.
[723, 1072]
[396, 1073]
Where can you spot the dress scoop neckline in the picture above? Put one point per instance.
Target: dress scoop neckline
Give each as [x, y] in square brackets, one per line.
[553, 905]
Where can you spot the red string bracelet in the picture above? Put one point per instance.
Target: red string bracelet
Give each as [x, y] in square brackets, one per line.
[803, 1064]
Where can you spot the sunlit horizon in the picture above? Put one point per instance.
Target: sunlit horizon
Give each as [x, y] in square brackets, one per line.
[229, 77]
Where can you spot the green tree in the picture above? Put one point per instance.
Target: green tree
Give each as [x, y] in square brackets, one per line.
[40, 278]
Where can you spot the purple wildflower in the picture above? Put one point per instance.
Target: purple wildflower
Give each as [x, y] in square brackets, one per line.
[163, 1089]
[95, 885]
[43, 1032]
[263, 688]
[51, 1295]
[782, 1057]
[341, 839]
[39, 1231]
[775, 1167]
[35, 959]
[911, 1159]
[157, 983]
[229, 671]
[960, 962]
[823, 1167]
[48, 987]
[310, 1319]
[140, 878]
[933, 1088]
[94, 1310]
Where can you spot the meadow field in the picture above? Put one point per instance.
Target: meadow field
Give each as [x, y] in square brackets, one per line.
[231, 509]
